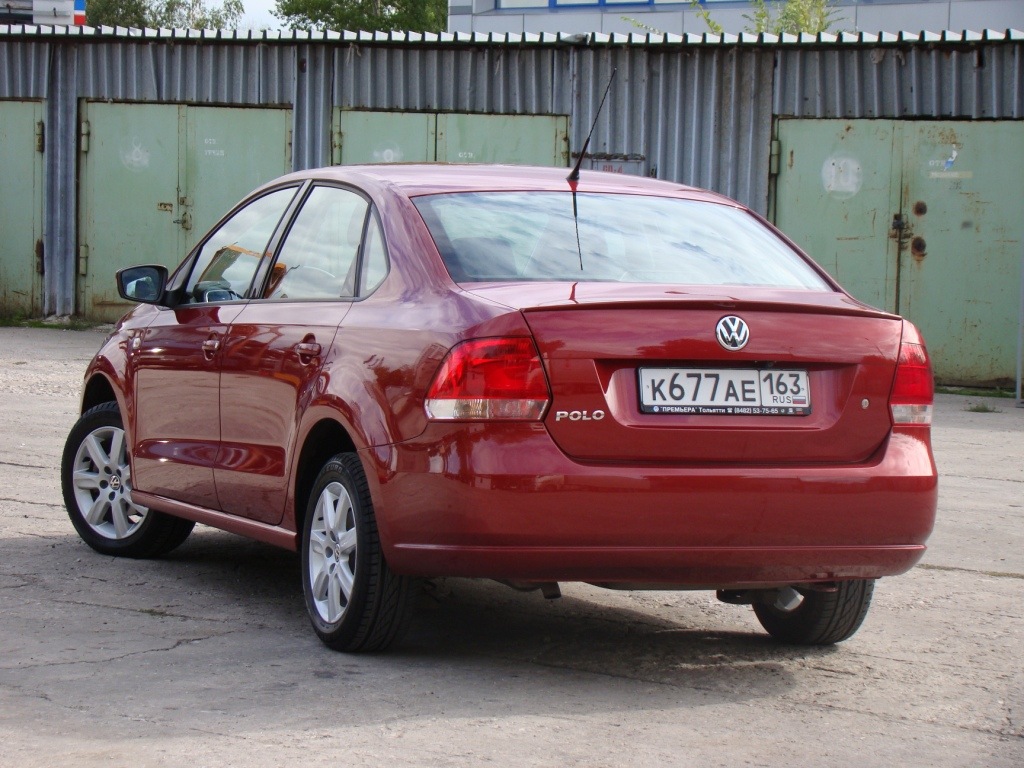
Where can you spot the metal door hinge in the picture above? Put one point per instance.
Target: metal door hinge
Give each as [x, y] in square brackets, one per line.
[40, 136]
[83, 134]
[40, 258]
[773, 158]
[83, 259]
[336, 141]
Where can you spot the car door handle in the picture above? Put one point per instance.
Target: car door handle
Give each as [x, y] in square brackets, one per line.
[307, 351]
[210, 347]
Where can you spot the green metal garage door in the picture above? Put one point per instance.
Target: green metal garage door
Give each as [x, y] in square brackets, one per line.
[155, 177]
[21, 208]
[920, 218]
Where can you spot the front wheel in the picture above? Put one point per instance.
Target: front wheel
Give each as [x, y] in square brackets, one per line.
[97, 484]
[354, 600]
[819, 618]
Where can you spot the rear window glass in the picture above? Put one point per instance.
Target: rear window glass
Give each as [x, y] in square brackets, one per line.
[514, 236]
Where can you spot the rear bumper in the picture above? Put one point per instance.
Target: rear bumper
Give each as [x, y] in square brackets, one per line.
[465, 500]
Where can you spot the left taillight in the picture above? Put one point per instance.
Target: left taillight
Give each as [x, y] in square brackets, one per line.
[913, 390]
[496, 379]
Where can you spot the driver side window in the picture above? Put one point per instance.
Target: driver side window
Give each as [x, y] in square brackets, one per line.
[228, 260]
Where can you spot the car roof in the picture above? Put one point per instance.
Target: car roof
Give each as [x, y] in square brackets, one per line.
[414, 179]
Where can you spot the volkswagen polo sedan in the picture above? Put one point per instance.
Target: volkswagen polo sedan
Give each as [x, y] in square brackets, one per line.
[429, 371]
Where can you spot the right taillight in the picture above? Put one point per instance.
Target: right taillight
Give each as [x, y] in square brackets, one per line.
[913, 390]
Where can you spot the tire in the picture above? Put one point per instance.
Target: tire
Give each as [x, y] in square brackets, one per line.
[354, 600]
[97, 485]
[821, 618]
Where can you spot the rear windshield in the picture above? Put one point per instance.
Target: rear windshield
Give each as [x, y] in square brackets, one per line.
[514, 236]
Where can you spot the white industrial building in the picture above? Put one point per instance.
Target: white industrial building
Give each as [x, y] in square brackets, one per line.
[679, 17]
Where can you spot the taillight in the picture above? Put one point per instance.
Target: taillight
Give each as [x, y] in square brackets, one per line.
[913, 391]
[490, 379]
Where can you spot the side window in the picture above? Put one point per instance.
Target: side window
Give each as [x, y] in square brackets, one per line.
[319, 257]
[375, 259]
[228, 260]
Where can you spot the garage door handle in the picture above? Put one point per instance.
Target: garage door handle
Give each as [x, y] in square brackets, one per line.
[307, 351]
[210, 347]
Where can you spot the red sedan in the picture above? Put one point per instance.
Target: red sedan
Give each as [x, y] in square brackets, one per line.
[424, 371]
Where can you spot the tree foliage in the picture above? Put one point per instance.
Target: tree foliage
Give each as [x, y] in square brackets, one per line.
[181, 14]
[404, 15]
[117, 13]
[792, 16]
[197, 14]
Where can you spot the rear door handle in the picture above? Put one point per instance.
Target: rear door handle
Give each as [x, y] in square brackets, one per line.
[307, 351]
[210, 347]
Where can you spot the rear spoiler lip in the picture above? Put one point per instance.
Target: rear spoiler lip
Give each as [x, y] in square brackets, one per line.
[530, 297]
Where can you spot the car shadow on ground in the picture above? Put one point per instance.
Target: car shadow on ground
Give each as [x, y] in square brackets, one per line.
[483, 617]
[668, 637]
[683, 639]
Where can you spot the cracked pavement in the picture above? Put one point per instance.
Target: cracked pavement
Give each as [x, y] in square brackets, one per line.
[205, 657]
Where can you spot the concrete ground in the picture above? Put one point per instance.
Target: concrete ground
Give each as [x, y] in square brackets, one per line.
[205, 658]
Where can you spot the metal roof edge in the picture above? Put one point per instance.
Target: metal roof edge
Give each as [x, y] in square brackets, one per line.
[840, 38]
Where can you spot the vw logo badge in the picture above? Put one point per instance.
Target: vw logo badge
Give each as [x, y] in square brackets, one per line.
[732, 333]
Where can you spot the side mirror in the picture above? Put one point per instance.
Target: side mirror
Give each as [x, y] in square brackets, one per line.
[143, 284]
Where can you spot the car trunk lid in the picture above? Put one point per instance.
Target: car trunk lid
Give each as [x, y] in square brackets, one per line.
[595, 339]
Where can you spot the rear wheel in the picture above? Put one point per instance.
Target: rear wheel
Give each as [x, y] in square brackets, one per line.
[97, 484]
[354, 600]
[819, 618]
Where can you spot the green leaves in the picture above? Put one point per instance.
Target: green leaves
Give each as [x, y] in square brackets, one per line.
[786, 16]
[181, 14]
[793, 17]
[117, 13]
[370, 15]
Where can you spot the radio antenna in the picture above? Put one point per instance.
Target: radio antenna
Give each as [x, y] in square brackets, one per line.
[574, 174]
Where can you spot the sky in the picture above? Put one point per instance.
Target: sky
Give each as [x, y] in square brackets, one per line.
[257, 14]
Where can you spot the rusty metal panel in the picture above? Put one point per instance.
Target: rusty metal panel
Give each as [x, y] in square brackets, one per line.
[960, 267]
[836, 199]
[920, 218]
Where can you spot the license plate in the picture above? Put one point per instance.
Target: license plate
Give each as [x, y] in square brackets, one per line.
[728, 391]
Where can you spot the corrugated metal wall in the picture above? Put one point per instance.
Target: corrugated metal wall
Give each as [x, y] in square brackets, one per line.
[701, 117]
[24, 67]
[910, 81]
[696, 110]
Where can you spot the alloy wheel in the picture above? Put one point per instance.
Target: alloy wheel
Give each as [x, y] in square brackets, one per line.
[102, 484]
[332, 552]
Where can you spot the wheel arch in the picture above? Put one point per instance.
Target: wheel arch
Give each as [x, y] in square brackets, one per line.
[326, 438]
[97, 390]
